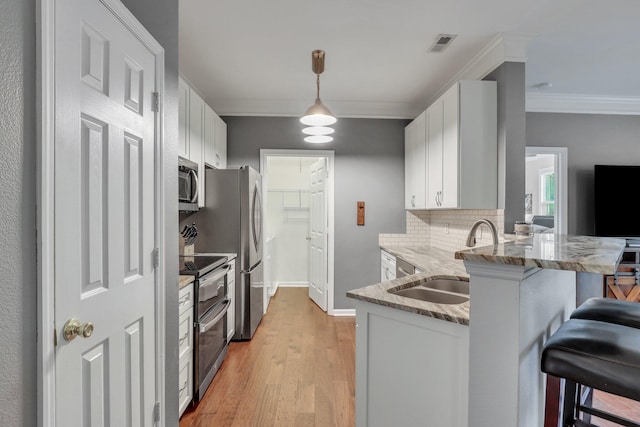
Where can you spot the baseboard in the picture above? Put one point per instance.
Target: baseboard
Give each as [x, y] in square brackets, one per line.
[344, 312]
[292, 285]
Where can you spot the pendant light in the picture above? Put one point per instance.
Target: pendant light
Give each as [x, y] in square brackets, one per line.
[318, 114]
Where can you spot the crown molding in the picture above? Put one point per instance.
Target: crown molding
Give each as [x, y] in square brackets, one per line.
[290, 108]
[581, 104]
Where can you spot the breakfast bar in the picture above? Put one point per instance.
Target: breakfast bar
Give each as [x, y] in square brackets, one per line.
[521, 291]
[475, 363]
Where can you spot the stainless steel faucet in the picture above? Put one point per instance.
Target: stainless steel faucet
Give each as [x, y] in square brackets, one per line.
[471, 238]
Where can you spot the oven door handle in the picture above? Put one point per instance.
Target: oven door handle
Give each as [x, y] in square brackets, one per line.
[205, 327]
[218, 274]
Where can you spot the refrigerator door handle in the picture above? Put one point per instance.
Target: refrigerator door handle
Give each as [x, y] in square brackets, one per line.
[250, 270]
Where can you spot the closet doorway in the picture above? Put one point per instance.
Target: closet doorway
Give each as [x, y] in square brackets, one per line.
[298, 221]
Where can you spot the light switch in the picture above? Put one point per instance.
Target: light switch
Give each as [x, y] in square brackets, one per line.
[360, 213]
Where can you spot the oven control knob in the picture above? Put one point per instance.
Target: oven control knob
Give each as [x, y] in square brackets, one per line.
[73, 328]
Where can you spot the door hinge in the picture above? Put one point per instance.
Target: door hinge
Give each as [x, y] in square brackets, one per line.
[156, 412]
[156, 102]
[156, 257]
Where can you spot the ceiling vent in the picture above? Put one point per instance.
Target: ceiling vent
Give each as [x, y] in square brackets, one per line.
[442, 41]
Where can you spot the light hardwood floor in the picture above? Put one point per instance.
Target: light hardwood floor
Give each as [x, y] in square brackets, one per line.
[297, 370]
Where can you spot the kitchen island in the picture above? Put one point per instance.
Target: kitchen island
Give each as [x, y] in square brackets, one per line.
[473, 364]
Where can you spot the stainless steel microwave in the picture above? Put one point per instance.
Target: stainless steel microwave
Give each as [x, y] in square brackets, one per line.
[187, 185]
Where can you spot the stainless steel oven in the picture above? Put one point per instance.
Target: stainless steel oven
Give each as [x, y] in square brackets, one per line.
[210, 314]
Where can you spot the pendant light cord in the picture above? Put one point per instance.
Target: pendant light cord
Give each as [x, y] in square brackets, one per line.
[318, 86]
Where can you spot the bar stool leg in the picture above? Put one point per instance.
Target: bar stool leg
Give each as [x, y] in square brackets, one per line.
[569, 403]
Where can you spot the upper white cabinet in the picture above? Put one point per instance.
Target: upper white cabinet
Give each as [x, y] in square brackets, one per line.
[196, 138]
[203, 134]
[461, 160]
[183, 114]
[414, 163]
[215, 140]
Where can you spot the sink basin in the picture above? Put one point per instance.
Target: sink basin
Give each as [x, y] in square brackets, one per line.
[429, 295]
[449, 285]
[439, 291]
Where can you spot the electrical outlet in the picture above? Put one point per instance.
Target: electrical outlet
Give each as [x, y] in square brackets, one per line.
[446, 228]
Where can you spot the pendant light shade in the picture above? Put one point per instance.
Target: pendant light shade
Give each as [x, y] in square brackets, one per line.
[318, 114]
[318, 130]
[318, 139]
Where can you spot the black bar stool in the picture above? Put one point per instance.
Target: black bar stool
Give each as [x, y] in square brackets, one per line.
[609, 310]
[600, 355]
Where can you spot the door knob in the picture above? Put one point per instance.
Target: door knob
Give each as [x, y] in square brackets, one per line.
[73, 328]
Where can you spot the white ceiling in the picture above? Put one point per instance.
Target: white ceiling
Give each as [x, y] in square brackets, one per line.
[254, 57]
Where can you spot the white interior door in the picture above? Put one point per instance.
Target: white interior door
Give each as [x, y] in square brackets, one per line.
[104, 218]
[318, 234]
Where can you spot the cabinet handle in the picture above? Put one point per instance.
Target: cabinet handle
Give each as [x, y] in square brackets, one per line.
[181, 340]
[184, 387]
[184, 300]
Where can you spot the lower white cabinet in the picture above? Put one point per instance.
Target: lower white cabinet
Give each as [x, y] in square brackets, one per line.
[411, 370]
[231, 293]
[185, 347]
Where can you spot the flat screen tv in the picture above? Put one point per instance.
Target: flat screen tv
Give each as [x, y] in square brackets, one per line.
[615, 197]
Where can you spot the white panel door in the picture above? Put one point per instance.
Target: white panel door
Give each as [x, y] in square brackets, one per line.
[318, 276]
[104, 220]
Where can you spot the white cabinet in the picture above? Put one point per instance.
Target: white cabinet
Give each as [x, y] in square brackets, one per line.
[220, 128]
[203, 134]
[185, 347]
[462, 148]
[196, 139]
[414, 161]
[231, 293]
[387, 266]
[215, 140]
[451, 150]
[411, 370]
[183, 118]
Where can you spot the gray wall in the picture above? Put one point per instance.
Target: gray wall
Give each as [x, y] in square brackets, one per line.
[18, 310]
[510, 78]
[590, 139]
[160, 18]
[369, 167]
[17, 214]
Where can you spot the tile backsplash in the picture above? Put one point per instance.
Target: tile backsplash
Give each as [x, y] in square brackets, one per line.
[445, 229]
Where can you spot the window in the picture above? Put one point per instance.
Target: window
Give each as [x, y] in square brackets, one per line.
[547, 192]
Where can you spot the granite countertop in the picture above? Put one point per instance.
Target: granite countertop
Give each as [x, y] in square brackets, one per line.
[436, 263]
[184, 280]
[559, 252]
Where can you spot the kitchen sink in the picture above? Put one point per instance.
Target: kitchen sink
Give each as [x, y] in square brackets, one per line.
[449, 285]
[438, 291]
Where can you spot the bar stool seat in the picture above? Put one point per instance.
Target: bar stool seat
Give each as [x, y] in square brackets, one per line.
[609, 310]
[600, 355]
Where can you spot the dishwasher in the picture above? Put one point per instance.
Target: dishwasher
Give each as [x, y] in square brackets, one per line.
[388, 266]
[403, 268]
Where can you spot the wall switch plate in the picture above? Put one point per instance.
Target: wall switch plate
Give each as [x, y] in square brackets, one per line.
[360, 213]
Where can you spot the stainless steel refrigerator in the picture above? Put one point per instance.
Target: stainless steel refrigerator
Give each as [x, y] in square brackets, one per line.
[231, 221]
